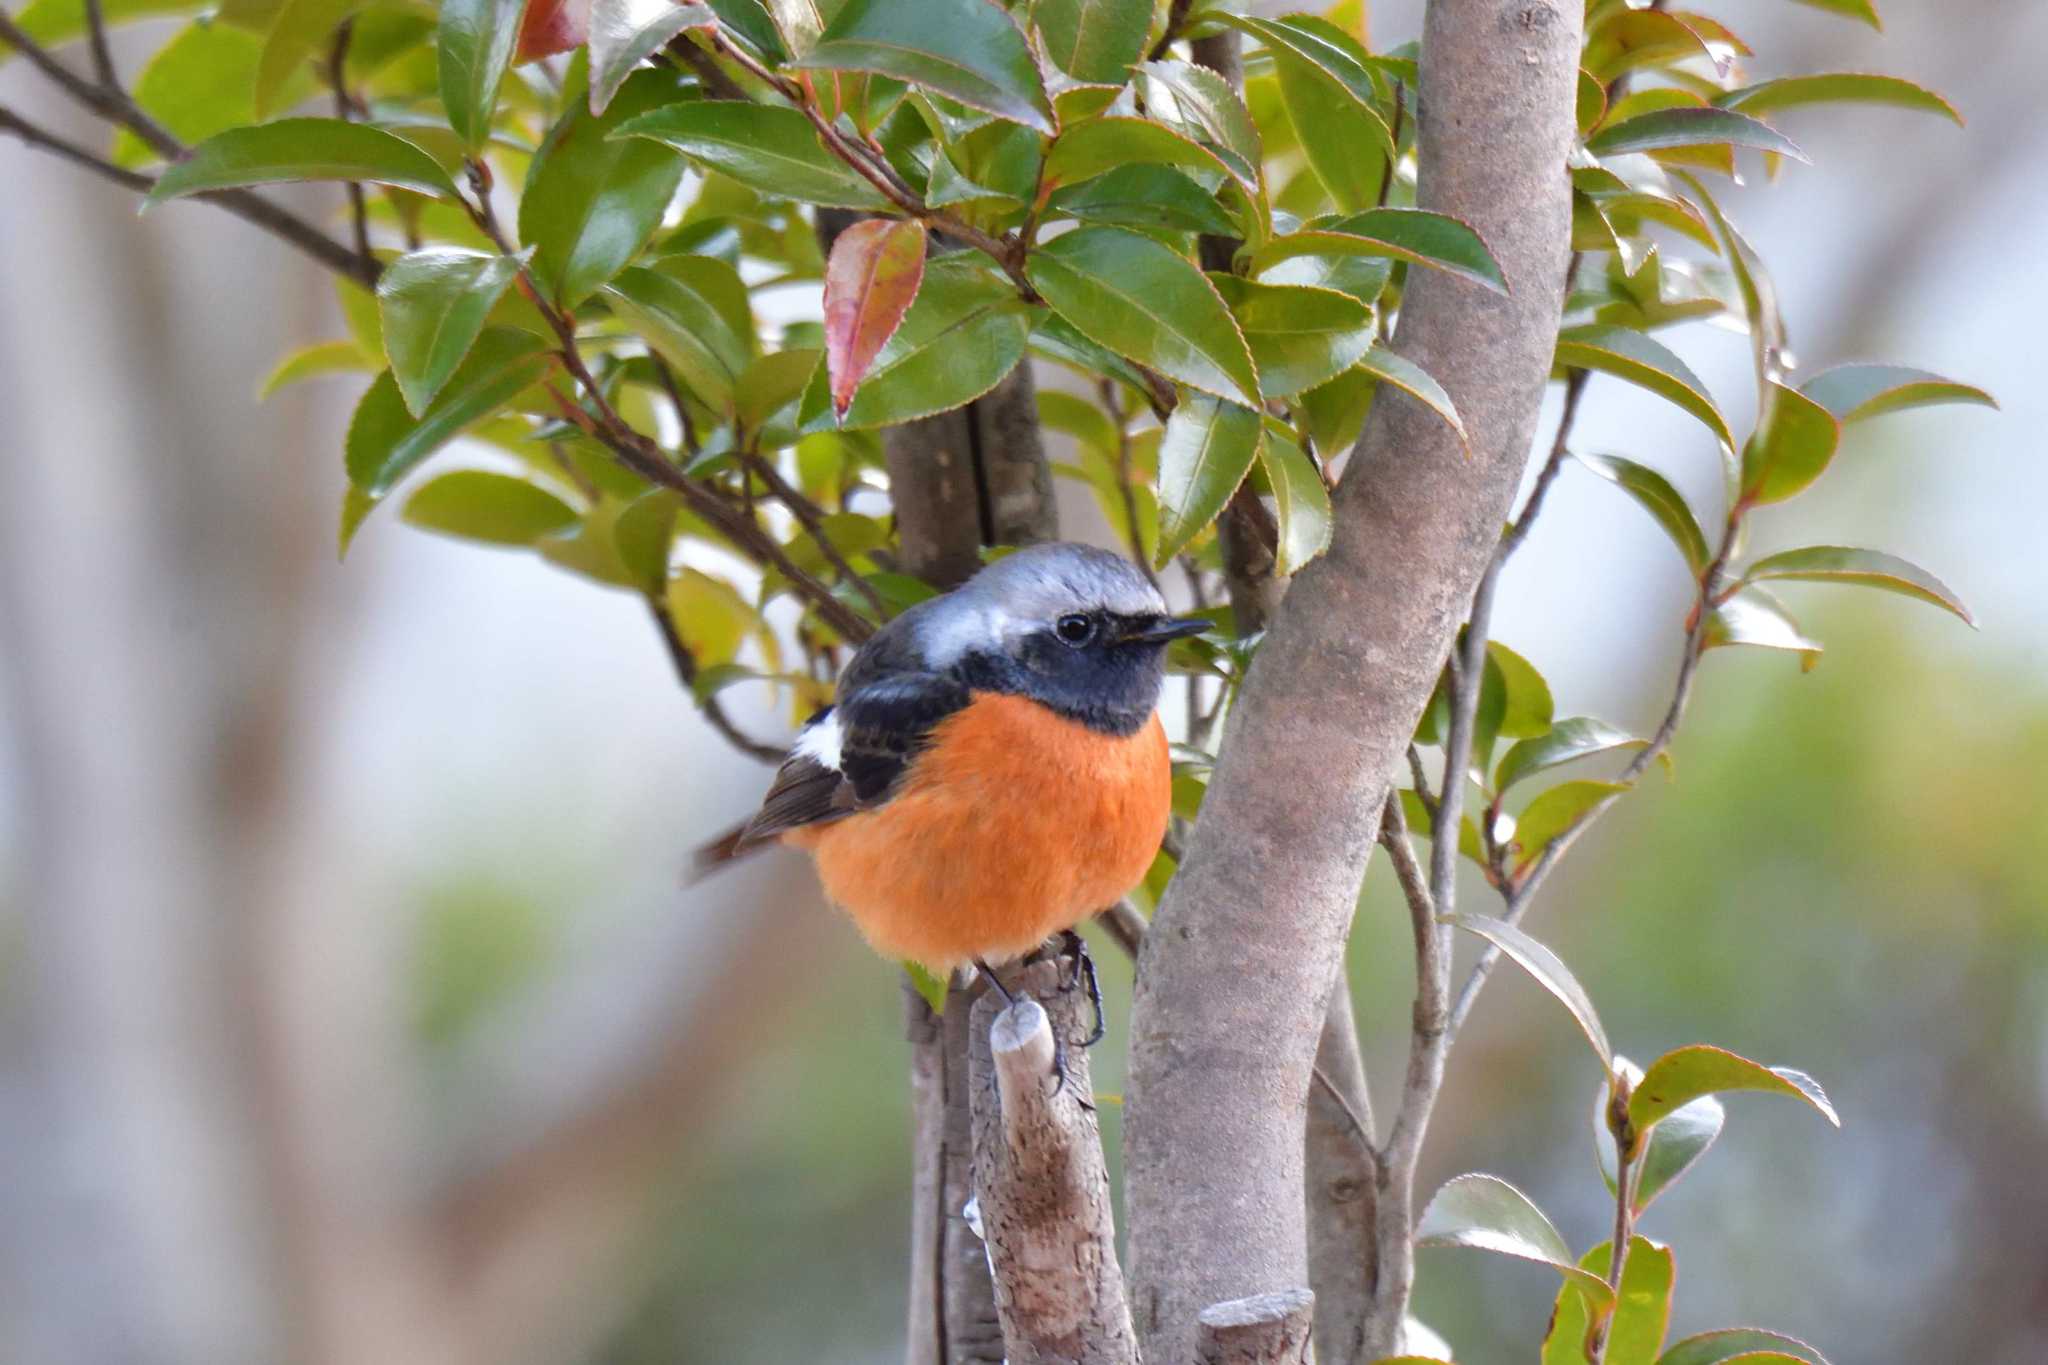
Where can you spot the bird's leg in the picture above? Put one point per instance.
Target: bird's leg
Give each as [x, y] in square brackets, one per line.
[996, 981]
[1084, 969]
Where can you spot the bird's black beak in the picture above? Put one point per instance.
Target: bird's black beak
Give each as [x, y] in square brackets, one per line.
[1165, 629]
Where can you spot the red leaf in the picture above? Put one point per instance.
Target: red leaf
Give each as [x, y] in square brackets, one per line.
[873, 275]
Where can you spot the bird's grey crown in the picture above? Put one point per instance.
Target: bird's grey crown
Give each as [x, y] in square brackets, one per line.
[1029, 590]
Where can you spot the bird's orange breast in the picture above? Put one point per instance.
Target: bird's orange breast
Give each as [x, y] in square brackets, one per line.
[1014, 824]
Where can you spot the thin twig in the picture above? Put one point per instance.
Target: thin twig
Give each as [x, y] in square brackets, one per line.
[810, 517]
[70, 151]
[102, 51]
[686, 671]
[717, 84]
[344, 109]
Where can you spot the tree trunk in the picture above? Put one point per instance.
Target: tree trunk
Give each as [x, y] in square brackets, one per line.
[1235, 977]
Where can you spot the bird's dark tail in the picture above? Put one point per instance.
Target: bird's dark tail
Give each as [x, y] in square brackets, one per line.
[726, 849]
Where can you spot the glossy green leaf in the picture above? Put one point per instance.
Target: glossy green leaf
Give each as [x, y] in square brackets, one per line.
[1656, 496]
[1093, 40]
[1785, 456]
[1564, 742]
[1590, 104]
[766, 148]
[495, 508]
[1103, 144]
[1868, 568]
[1208, 103]
[1417, 236]
[1055, 339]
[1549, 972]
[870, 280]
[684, 328]
[1624, 40]
[432, 303]
[966, 331]
[1862, 10]
[475, 41]
[1144, 301]
[1147, 197]
[771, 383]
[1298, 337]
[1335, 412]
[301, 31]
[1686, 126]
[749, 20]
[1674, 1146]
[1836, 87]
[594, 196]
[1527, 707]
[1075, 416]
[322, 357]
[1555, 812]
[1740, 1343]
[1753, 617]
[625, 33]
[1641, 1314]
[1486, 1213]
[302, 149]
[385, 441]
[1208, 449]
[1645, 362]
[1854, 392]
[1405, 375]
[969, 50]
[1684, 1074]
[1301, 501]
[197, 85]
[1335, 130]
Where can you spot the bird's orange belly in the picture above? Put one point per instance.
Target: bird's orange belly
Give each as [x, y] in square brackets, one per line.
[1014, 824]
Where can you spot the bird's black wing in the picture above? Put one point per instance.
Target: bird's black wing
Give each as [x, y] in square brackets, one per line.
[852, 754]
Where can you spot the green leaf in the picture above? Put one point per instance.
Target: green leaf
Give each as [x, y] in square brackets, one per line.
[385, 441]
[594, 197]
[475, 42]
[302, 149]
[1851, 9]
[1565, 742]
[494, 508]
[1299, 337]
[1740, 1343]
[299, 32]
[764, 147]
[1527, 708]
[1486, 1213]
[931, 988]
[1645, 362]
[1142, 300]
[1148, 197]
[1208, 449]
[1334, 128]
[1642, 1309]
[322, 357]
[625, 33]
[54, 23]
[198, 84]
[771, 383]
[1662, 501]
[1335, 411]
[1405, 375]
[432, 303]
[748, 19]
[1675, 1145]
[1103, 144]
[1547, 968]
[1854, 392]
[684, 328]
[1687, 126]
[1869, 568]
[1093, 40]
[963, 334]
[1302, 502]
[967, 49]
[1624, 40]
[871, 280]
[1684, 1074]
[1753, 617]
[1783, 457]
[1420, 824]
[1553, 813]
[1208, 103]
[1790, 92]
[1417, 236]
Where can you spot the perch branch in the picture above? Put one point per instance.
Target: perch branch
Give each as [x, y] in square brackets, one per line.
[1265, 1329]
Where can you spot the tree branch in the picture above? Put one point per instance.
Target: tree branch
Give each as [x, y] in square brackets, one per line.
[1240, 972]
[686, 672]
[344, 108]
[1265, 1329]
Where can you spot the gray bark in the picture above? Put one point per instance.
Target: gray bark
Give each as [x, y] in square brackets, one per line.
[1234, 979]
[1265, 1329]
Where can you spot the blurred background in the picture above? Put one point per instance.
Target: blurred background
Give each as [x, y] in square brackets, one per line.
[352, 1007]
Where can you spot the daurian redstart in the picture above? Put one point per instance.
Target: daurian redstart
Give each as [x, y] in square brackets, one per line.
[993, 770]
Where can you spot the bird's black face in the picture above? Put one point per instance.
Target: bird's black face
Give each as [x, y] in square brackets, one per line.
[1099, 667]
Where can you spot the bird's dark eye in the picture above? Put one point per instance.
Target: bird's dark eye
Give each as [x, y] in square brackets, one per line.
[1075, 629]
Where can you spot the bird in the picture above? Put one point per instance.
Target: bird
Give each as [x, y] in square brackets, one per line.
[993, 768]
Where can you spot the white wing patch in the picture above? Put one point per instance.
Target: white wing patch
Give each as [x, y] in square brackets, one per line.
[819, 742]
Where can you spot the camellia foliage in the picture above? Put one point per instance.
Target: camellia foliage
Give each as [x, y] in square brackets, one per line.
[586, 232]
